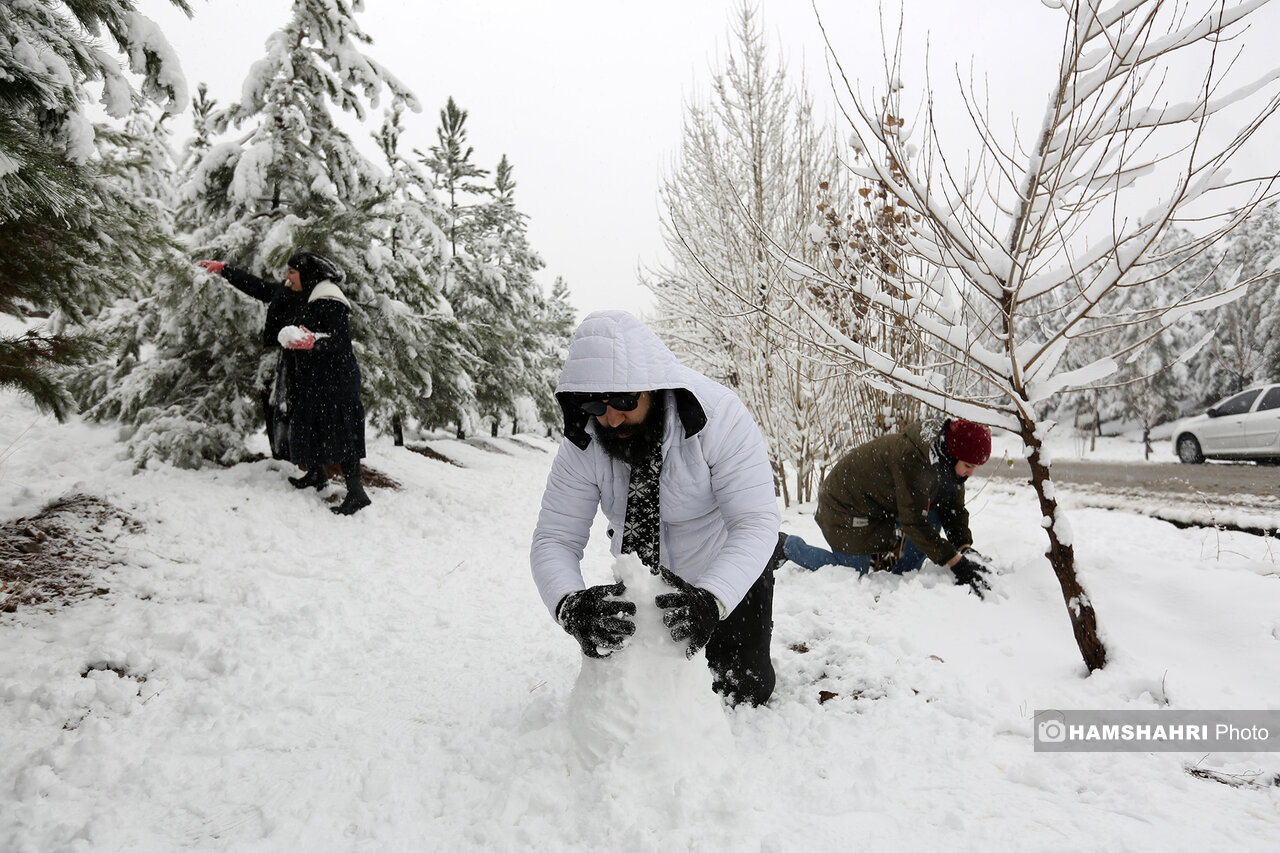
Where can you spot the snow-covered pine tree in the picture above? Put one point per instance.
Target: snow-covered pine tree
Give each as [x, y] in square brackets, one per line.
[450, 161]
[1153, 400]
[1271, 330]
[139, 164]
[556, 321]
[416, 252]
[119, 385]
[456, 176]
[128, 241]
[190, 398]
[144, 161]
[205, 118]
[1236, 355]
[503, 305]
[490, 276]
[66, 225]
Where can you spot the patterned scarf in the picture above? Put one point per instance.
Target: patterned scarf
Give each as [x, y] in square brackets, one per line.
[641, 529]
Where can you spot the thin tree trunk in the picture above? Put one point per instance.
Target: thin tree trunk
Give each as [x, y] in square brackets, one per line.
[780, 482]
[1061, 555]
[1062, 559]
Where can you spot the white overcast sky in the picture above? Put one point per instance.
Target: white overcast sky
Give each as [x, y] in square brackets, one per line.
[586, 97]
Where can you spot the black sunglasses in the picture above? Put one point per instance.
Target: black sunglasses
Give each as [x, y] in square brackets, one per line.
[619, 402]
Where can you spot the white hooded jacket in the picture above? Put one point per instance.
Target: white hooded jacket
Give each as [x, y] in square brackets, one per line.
[719, 515]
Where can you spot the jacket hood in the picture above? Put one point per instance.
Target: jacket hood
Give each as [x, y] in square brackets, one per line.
[614, 351]
[929, 436]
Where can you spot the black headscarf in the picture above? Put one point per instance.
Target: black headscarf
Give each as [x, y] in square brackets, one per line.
[313, 269]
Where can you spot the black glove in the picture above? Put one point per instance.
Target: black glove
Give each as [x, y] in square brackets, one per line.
[977, 556]
[597, 619]
[690, 612]
[969, 572]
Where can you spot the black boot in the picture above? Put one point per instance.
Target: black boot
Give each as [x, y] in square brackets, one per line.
[356, 498]
[316, 478]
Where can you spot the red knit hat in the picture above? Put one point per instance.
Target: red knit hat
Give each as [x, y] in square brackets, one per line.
[968, 442]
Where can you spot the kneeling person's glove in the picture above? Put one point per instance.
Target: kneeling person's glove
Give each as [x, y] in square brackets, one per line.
[970, 573]
[598, 619]
[691, 612]
[976, 556]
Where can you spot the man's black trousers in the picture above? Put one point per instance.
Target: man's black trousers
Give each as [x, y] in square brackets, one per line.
[738, 653]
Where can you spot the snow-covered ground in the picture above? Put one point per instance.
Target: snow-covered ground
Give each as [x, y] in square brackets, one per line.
[266, 676]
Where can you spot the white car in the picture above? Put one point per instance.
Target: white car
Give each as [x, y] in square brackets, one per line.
[1243, 426]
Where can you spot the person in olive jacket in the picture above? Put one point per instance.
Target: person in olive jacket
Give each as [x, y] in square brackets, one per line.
[317, 390]
[886, 504]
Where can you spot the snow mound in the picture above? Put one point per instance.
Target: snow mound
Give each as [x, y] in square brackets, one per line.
[647, 709]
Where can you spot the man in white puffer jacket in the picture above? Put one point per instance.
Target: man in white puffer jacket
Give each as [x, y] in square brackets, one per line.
[681, 472]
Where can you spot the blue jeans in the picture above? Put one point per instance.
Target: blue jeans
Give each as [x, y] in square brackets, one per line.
[813, 558]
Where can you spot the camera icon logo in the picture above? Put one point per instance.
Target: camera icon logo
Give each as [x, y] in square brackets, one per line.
[1051, 731]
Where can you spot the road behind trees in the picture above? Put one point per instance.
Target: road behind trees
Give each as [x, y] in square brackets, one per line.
[1238, 495]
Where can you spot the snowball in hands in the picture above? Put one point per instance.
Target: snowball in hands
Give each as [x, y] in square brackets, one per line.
[299, 337]
[647, 706]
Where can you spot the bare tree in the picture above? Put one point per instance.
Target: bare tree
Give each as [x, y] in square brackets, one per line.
[864, 238]
[1018, 249]
[750, 163]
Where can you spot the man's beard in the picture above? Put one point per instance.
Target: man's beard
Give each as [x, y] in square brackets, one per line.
[643, 436]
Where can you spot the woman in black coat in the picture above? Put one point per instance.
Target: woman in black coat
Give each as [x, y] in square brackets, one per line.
[309, 317]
